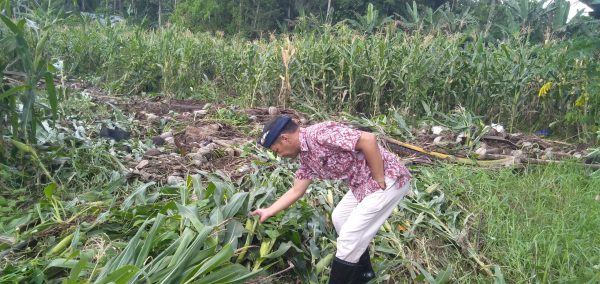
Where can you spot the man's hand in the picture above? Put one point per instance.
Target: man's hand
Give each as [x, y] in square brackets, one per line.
[287, 199]
[264, 213]
[381, 184]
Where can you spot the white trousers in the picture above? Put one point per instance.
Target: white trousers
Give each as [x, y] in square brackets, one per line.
[357, 223]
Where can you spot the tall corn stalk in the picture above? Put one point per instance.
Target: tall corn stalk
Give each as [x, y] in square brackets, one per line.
[287, 55]
[26, 41]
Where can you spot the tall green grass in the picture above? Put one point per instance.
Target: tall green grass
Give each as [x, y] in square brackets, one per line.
[538, 225]
[337, 69]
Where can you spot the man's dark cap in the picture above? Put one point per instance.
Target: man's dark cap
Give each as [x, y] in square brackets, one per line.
[270, 134]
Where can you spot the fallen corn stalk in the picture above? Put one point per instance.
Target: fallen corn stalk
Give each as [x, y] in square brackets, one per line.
[504, 161]
[498, 160]
[540, 161]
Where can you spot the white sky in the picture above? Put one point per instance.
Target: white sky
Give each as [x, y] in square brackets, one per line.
[577, 5]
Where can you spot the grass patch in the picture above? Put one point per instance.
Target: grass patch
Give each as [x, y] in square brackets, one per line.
[538, 225]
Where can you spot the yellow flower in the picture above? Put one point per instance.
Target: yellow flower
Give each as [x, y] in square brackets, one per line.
[580, 102]
[544, 89]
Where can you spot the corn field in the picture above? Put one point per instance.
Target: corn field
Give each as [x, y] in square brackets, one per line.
[512, 82]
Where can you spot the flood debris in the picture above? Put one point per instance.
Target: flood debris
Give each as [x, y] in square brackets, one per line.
[142, 164]
[188, 136]
[174, 180]
[116, 134]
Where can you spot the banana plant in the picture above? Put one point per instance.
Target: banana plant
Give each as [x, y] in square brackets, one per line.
[371, 21]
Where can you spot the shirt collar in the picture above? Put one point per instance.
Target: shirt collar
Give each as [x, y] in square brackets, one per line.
[303, 142]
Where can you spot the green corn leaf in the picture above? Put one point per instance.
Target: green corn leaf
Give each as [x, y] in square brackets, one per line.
[39, 48]
[198, 258]
[235, 203]
[137, 194]
[210, 190]
[121, 276]
[161, 261]
[283, 248]
[222, 256]
[12, 26]
[49, 190]
[76, 236]
[234, 231]
[498, 276]
[184, 240]
[196, 184]
[424, 273]
[62, 263]
[14, 118]
[12, 91]
[143, 254]
[203, 255]
[243, 278]
[324, 262]
[126, 257]
[229, 274]
[444, 276]
[6, 7]
[77, 269]
[216, 217]
[52, 99]
[159, 269]
[190, 213]
[176, 274]
[184, 193]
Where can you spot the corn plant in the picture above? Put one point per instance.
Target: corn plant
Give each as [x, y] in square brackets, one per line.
[191, 257]
[26, 41]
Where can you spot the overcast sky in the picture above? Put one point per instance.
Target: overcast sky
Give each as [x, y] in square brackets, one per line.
[577, 5]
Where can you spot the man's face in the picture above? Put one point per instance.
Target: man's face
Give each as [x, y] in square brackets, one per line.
[285, 147]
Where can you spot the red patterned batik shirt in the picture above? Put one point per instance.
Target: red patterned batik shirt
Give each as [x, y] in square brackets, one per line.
[327, 151]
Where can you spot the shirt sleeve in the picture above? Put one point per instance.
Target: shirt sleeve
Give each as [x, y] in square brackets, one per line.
[338, 136]
[305, 172]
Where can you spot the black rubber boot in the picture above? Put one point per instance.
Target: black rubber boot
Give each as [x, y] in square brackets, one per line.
[367, 273]
[343, 272]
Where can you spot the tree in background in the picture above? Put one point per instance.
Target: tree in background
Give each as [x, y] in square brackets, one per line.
[246, 17]
[491, 19]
